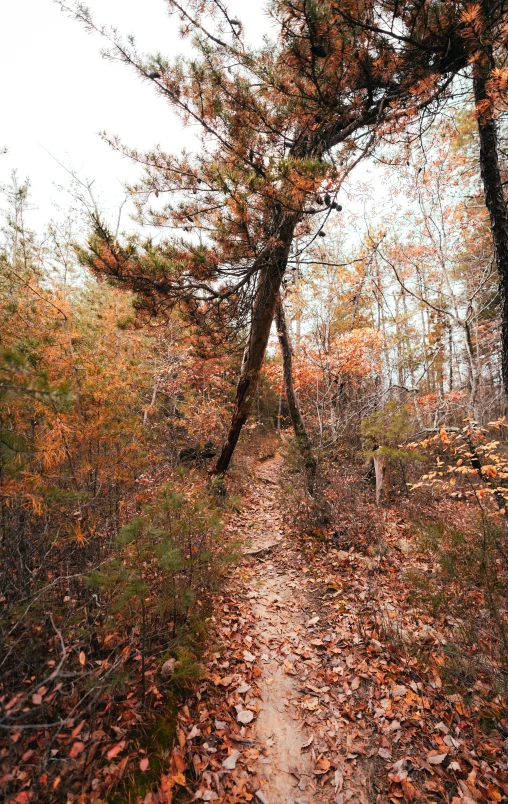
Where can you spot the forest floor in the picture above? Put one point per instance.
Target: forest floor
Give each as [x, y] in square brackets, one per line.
[312, 693]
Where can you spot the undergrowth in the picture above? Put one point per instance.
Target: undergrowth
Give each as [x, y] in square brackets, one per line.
[126, 649]
[468, 592]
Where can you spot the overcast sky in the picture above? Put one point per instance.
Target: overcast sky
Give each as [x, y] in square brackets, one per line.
[57, 93]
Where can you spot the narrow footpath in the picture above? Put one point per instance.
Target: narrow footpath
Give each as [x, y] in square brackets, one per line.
[302, 745]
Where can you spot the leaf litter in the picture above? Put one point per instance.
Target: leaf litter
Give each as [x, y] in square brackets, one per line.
[305, 702]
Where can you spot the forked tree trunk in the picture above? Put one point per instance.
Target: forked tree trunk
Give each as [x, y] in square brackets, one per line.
[301, 435]
[494, 200]
[272, 264]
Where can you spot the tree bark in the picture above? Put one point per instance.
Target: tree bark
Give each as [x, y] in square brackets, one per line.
[272, 264]
[301, 435]
[494, 199]
[382, 471]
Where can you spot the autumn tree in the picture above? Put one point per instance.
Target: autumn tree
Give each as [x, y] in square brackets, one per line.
[281, 126]
[442, 261]
[466, 41]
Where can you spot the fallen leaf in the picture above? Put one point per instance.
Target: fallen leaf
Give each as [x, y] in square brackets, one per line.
[78, 729]
[225, 682]
[209, 795]
[178, 763]
[144, 763]
[248, 656]
[76, 749]
[409, 790]
[322, 766]
[245, 716]
[437, 759]
[82, 658]
[194, 732]
[243, 688]
[494, 793]
[308, 743]
[168, 668]
[113, 752]
[230, 762]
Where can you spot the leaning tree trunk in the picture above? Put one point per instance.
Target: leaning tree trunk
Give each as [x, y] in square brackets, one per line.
[272, 264]
[302, 438]
[494, 199]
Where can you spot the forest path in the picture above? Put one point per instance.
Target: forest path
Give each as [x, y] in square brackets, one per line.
[279, 728]
[297, 720]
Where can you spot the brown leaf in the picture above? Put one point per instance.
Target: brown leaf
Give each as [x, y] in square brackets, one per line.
[322, 766]
[436, 759]
[224, 682]
[115, 750]
[77, 730]
[76, 749]
[230, 762]
[178, 763]
[409, 790]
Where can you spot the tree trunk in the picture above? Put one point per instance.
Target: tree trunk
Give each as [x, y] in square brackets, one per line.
[272, 264]
[382, 471]
[494, 199]
[302, 438]
[473, 373]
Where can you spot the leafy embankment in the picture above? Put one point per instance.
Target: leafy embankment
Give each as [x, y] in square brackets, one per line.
[127, 642]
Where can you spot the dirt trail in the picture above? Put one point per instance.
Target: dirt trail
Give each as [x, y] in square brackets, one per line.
[280, 731]
[280, 671]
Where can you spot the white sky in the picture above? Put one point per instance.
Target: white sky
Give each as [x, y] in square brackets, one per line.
[57, 93]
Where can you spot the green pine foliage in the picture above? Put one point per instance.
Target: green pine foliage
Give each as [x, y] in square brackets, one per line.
[468, 593]
[168, 562]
